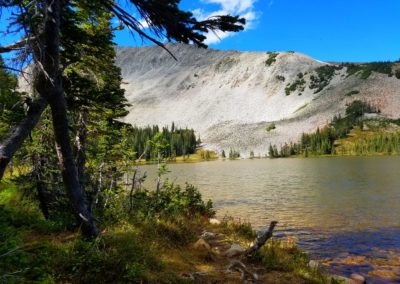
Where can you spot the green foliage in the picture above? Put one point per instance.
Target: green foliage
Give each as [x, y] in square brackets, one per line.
[397, 73]
[323, 78]
[238, 229]
[251, 154]
[273, 151]
[271, 58]
[11, 101]
[171, 202]
[233, 154]
[270, 127]
[171, 143]
[298, 84]
[365, 70]
[322, 142]
[223, 155]
[280, 78]
[205, 155]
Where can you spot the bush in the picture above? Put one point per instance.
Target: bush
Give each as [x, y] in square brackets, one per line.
[171, 202]
[365, 70]
[271, 58]
[296, 85]
[324, 76]
[397, 73]
[270, 127]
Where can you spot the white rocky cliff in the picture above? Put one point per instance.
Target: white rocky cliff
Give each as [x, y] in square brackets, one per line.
[231, 97]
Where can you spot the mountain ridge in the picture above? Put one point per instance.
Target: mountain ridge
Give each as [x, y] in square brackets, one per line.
[231, 97]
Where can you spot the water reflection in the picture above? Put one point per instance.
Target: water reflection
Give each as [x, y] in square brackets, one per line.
[328, 203]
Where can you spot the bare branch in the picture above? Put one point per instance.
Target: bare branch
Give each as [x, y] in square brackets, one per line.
[23, 43]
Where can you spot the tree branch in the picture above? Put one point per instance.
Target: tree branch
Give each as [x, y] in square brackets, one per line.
[21, 132]
[15, 46]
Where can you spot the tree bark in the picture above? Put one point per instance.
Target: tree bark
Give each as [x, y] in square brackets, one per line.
[49, 84]
[20, 133]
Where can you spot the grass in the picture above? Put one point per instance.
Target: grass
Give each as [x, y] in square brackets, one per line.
[133, 250]
[191, 158]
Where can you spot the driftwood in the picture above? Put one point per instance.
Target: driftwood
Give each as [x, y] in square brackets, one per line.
[261, 239]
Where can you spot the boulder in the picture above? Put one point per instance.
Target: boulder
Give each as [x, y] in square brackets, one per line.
[313, 264]
[358, 278]
[208, 236]
[234, 250]
[214, 221]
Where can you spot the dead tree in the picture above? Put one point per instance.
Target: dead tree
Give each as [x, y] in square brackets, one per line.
[261, 240]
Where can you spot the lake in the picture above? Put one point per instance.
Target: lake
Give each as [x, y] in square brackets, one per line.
[343, 210]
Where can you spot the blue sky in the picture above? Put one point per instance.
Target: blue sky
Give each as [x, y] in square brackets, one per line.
[329, 30]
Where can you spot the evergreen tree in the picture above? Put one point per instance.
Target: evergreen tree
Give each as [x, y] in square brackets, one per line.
[43, 41]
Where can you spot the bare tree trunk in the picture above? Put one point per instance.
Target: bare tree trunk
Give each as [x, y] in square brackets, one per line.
[261, 239]
[49, 84]
[81, 141]
[21, 132]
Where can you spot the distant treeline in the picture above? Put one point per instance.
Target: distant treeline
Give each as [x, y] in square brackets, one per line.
[149, 141]
[322, 142]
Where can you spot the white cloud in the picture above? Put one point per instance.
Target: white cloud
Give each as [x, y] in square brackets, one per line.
[231, 6]
[242, 8]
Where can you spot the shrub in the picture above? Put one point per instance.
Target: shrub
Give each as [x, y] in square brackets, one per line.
[296, 85]
[270, 127]
[271, 58]
[365, 70]
[324, 75]
[171, 202]
[397, 73]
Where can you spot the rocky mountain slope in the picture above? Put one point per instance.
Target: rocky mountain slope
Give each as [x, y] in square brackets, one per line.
[234, 99]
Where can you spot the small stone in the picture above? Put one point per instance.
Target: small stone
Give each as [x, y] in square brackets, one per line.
[234, 250]
[358, 278]
[313, 264]
[208, 236]
[214, 221]
[201, 245]
[343, 280]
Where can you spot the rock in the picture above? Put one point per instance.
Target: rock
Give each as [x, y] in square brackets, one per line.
[343, 280]
[201, 244]
[208, 235]
[214, 221]
[313, 264]
[358, 278]
[234, 250]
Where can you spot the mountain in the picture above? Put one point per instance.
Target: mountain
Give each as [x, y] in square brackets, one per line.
[248, 100]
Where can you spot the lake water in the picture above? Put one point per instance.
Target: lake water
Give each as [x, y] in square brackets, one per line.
[344, 211]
